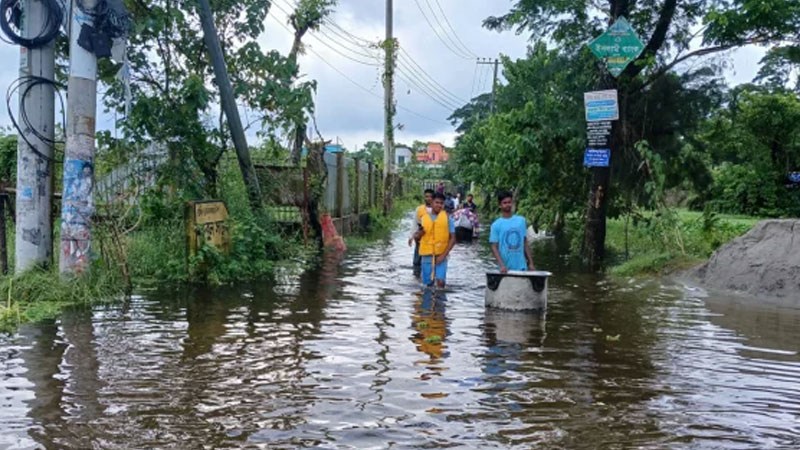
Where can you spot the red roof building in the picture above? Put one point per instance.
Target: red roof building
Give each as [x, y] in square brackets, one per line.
[435, 153]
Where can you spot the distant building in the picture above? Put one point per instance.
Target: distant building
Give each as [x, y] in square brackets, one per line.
[434, 153]
[402, 156]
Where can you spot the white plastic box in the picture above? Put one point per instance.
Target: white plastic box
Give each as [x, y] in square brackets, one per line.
[517, 291]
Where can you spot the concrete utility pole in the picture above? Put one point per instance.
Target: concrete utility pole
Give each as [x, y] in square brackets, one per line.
[388, 106]
[34, 227]
[229, 104]
[496, 64]
[77, 206]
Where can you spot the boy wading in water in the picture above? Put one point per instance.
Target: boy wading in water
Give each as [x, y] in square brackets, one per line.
[508, 238]
[436, 238]
[423, 210]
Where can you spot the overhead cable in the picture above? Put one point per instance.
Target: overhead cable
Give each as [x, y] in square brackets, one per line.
[426, 91]
[356, 59]
[460, 54]
[11, 18]
[431, 91]
[424, 74]
[23, 85]
[450, 26]
[355, 83]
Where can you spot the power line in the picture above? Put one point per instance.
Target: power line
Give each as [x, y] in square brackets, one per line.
[431, 79]
[468, 52]
[410, 71]
[356, 39]
[355, 83]
[411, 83]
[430, 93]
[487, 76]
[356, 52]
[474, 78]
[453, 30]
[459, 54]
[336, 50]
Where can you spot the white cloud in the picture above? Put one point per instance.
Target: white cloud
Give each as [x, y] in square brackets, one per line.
[354, 115]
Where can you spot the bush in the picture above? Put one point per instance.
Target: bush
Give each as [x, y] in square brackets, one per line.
[746, 189]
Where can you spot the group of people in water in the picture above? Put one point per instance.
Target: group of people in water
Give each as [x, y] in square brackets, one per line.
[434, 235]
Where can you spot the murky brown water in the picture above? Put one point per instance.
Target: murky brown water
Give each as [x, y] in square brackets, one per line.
[335, 359]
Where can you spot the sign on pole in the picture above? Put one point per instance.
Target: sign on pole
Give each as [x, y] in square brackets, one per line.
[596, 157]
[601, 105]
[618, 46]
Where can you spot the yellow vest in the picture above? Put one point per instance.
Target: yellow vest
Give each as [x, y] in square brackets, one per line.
[421, 211]
[437, 235]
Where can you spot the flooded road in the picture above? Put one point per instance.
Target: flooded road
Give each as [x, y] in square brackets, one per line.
[352, 355]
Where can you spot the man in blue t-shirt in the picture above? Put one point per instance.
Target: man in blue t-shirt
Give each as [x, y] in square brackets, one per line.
[508, 238]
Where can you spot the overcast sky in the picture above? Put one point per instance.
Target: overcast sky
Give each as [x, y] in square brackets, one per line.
[350, 104]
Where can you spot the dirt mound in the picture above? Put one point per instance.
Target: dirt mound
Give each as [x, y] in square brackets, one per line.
[763, 262]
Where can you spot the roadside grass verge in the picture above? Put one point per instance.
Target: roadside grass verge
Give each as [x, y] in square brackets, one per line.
[42, 294]
[650, 250]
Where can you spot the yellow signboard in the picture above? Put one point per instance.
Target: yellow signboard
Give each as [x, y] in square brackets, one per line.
[207, 223]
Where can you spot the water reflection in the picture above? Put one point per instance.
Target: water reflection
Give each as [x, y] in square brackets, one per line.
[430, 322]
[353, 355]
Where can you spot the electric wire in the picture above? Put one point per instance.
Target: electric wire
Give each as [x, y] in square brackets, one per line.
[12, 14]
[348, 36]
[424, 75]
[355, 83]
[426, 91]
[416, 76]
[323, 42]
[447, 34]
[438, 35]
[474, 78]
[485, 78]
[453, 30]
[23, 85]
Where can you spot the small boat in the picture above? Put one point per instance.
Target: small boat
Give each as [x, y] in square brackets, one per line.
[517, 291]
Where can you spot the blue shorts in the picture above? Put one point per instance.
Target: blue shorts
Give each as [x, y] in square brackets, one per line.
[440, 271]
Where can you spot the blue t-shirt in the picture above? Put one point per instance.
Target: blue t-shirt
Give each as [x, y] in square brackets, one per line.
[509, 235]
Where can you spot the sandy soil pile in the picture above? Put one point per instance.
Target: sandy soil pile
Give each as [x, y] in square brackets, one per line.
[763, 262]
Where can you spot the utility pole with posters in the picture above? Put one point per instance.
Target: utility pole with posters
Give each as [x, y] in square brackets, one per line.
[35, 145]
[388, 105]
[77, 207]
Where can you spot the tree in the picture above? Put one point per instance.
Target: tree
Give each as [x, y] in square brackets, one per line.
[669, 30]
[308, 15]
[172, 94]
[372, 152]
[754, 143]
[469, 115]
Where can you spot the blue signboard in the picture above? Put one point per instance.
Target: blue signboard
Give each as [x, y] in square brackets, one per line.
[601, 105]
[596, 157]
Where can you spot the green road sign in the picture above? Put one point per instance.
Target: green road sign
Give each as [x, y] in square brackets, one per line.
[618, 46]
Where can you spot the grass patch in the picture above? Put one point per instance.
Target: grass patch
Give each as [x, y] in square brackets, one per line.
[38, 294]
[647, 251]
[654, 265]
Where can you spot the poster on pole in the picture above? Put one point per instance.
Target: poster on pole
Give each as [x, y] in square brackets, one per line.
[597, 157]
[601, 105]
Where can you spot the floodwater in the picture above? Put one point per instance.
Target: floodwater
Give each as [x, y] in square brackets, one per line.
[336, 358]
